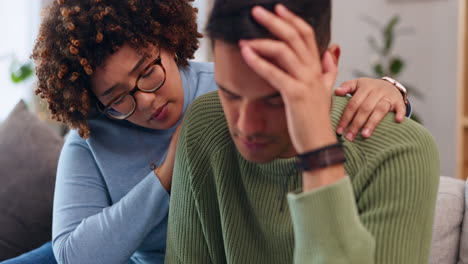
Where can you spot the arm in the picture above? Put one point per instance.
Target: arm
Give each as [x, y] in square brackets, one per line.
[87, 228]
[185, 239]
[386, 220]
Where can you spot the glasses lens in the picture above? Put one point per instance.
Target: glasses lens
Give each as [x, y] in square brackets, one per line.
[122, 107]
[152, 79]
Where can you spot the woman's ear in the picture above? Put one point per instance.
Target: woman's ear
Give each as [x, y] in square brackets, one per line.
[335, 51]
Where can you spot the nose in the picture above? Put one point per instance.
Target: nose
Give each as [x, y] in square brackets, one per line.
[250, 120]
[144, 100]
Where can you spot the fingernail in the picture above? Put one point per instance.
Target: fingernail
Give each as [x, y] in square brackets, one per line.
[339, 130]
[281, 8]
[350, 136]
[259, 11]
[401, 118]
[366, 132]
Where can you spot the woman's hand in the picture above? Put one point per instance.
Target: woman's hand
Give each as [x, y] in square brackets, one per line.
[164, 172]
[372, 100]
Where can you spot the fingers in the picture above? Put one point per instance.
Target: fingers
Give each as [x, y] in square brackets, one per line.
[376, 117]
[304, 29]
[400, 109]
[272, 74]
[288, 34]
[351, 109]
[348, 87]
[268, 49]
[368, 107]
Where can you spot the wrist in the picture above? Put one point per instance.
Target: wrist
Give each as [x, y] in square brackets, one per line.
[312, 180]
[165, 181]
[322, 135]
[322, 166]
[398, 86]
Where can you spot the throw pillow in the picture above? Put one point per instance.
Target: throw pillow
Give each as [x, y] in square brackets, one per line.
[29, 152]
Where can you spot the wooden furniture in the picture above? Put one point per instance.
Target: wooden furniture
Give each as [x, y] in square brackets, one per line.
[462, 118]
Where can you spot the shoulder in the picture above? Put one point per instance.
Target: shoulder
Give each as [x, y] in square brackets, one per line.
[204, 125]
[388, 133]
[202, 67]
[408, 145]
[198, 78]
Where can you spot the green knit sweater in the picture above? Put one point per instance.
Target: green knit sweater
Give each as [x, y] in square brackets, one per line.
[225, 209]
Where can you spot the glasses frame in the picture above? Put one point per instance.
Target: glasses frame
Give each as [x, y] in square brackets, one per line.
[131, 92]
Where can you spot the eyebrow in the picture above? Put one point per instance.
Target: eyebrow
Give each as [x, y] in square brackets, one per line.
[112, 88]
[137, 65]
[109, 91]
[271, 96]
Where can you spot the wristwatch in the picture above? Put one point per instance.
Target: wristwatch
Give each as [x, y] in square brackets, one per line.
[399, 86]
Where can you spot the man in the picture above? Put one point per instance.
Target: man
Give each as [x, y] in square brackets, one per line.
[269, 131]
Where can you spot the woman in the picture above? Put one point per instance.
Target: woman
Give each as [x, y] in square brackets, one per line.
[117, 72]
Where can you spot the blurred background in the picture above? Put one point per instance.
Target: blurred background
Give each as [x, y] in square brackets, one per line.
[416, 41]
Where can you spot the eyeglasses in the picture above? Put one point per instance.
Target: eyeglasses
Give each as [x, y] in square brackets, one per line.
[151, 79]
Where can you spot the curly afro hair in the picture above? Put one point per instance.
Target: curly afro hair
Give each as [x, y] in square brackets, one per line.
[76, 37]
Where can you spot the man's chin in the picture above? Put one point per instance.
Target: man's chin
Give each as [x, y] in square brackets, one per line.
[257, 160]
[263, 156]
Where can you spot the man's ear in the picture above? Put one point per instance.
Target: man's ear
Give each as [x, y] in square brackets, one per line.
[335, 51]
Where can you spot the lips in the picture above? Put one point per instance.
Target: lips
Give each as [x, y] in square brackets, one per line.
[254, 145]
[160, 112]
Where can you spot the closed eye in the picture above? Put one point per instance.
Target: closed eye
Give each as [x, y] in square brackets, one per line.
[231, 97]
[119, 101]
[148, 73]
[275, 102]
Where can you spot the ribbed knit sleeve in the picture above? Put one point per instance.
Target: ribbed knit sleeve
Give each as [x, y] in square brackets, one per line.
[186, 234]
[185, 242]
[327, 228]
[388, 218]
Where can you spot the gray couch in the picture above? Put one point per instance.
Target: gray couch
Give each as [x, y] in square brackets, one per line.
[450, 233]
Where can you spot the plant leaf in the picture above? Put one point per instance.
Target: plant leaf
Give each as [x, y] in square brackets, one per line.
[374, 45]
[378, 70]
[396, 66]
[389, 34]
[22, 73]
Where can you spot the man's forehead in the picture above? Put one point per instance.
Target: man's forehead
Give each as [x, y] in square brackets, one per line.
[234, 75]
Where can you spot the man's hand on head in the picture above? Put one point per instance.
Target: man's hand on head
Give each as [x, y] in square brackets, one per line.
[291, 63]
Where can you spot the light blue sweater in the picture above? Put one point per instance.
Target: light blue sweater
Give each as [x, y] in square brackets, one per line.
[109, 206]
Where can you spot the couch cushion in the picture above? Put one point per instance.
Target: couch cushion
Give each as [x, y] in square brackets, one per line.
[448, 220]
[28, 162]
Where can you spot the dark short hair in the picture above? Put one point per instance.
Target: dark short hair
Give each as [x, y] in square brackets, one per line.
[232, 21]
[76, 37]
